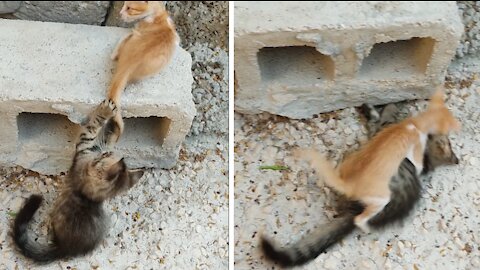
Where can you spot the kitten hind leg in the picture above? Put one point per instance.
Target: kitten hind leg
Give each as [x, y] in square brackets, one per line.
[373, 206]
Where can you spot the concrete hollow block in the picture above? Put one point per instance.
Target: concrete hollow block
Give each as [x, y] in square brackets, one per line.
[298, 59]
[53, 74]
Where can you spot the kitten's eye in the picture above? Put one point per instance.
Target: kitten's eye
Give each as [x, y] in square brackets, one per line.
[128, 8]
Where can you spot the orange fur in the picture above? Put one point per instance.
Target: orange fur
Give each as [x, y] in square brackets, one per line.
[365, 174]
[145, 51]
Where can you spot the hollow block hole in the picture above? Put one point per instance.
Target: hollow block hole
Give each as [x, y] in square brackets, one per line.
[145, 131]
[46, 129]
[294, 65]
[58, 131]
[399, 59]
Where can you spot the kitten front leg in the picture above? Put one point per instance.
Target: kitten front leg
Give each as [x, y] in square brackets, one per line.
[119, 46]
[90, 132]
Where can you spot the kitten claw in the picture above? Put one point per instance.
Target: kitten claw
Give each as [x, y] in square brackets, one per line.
[107, 108]
[113, 106]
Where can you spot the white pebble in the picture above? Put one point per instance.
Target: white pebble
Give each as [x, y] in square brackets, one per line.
[401, 246]
[473, 161]
[330, 263]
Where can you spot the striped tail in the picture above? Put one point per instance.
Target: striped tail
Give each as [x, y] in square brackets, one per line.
[311, 245]
[42, 253]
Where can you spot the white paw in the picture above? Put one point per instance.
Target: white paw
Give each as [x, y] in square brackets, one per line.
[362, 225]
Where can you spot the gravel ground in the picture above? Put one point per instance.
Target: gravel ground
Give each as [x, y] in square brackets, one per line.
[442, 234]
[172, 219]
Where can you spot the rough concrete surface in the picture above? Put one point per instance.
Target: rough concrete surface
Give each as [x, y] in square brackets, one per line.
[197, 21]
[86, 12]
[173, 219]
[65, 69]
[442, 233]
[9, 6]
[340, 54]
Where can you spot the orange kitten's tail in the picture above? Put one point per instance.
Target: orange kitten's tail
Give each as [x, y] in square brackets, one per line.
[322, 167]
[118, 84]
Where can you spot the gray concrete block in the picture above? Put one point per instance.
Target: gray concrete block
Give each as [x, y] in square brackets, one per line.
[53, 74]
[85, 12]
[298, 59]
[9, 6]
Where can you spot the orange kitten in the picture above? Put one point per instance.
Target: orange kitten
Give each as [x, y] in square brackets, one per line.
[145, 51]
[365, 174]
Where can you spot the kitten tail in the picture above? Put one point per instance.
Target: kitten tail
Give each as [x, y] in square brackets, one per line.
[322, 167]
[43, 253]
[118, 84]
[312, 245]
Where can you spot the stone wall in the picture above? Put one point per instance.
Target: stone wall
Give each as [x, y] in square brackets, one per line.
[203, 21]
[470, 43]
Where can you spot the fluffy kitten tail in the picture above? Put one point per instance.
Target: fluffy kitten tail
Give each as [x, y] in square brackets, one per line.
[323, 167]
[118, 84]
[311, 245]
[42, 253]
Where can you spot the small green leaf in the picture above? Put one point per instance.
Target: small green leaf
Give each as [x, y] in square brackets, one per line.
[274, 167]
[12, 214]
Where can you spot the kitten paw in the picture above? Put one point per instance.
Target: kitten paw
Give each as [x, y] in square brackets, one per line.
[362, 225]
[112, 106]
[107, 109]
[114, 56]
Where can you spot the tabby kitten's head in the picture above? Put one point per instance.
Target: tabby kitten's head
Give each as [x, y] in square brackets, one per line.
[438, 152]
[136, 10]
[104, 176]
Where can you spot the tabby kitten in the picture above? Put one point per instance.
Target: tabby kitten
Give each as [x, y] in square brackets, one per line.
[405, 191]
[78, 221]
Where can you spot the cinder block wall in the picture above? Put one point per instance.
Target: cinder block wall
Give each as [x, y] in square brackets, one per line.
[195, 20]
[298, 59]
[53, 74]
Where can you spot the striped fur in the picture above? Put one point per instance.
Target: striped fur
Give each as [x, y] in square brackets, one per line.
[78, 220]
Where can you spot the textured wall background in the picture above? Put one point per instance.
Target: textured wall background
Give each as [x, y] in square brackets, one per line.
[196, 20]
